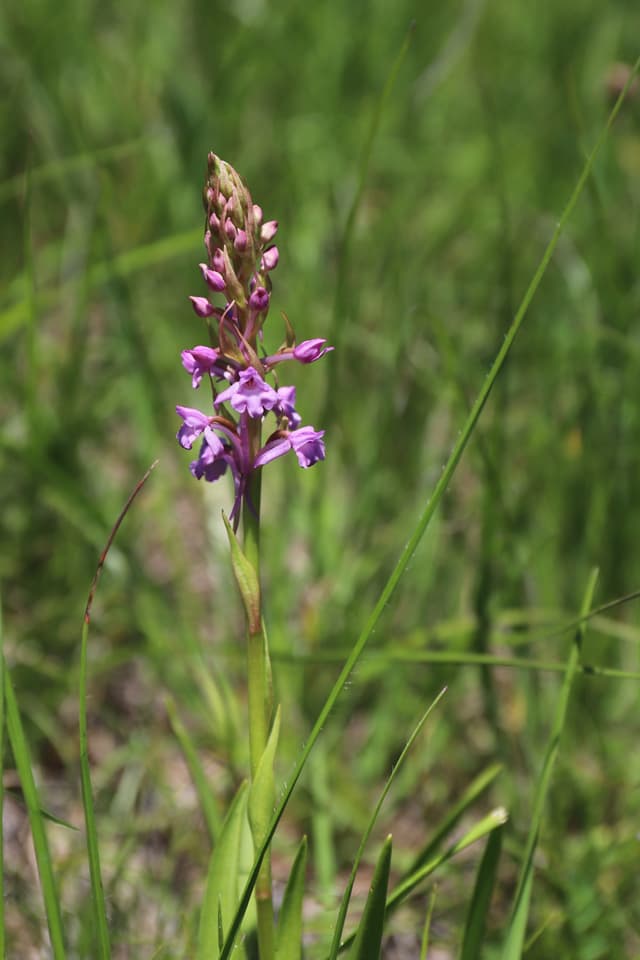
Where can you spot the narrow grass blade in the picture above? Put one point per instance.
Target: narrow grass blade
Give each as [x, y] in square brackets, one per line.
[467, 659]
[16, 794]
[207, 800]
[2, 740]
[479, 906]
[344, 905]
[514, 940]
[427, 513]
[221, 895]
[100, 923]
[424, 946]
[368, 941]
[36, 820]
[289, 932]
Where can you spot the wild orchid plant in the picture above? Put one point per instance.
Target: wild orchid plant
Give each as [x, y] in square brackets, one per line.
[240, 258]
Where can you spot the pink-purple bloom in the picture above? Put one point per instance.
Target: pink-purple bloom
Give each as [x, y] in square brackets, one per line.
[240, 258]
[194, 424]
[249, 394]
[200, 361]
[306, 443]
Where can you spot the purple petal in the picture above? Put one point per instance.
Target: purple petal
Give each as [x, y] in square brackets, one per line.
[286, 406]
[194, 424]
[210, 464]
[272, 450]
[307, 445]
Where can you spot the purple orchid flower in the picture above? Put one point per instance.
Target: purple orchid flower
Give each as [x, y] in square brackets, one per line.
[202, 360]
[306, 443]
[249, 394]
[195, 422]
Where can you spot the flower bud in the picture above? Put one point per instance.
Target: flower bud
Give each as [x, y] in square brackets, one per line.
[310, 350]
[259, 300]
[213, 278]
[268, 230]
[270, 259]
[201, 306]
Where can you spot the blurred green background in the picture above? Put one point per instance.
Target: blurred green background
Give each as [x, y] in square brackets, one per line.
[107, 114]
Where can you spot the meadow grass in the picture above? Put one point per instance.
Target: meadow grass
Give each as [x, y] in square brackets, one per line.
[417, 189]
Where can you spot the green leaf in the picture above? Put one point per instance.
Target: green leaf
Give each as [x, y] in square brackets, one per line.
[424, 946]
[368, 940]
[289, 932]
[221, 894]
[246, 578]
[100, 924]
[479, 906]
[263, 789]
[2, 739]
[36, 820]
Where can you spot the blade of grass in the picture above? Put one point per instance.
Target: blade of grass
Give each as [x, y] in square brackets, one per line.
[2, 943]
[517, 924]
[426, 516]
[424, 946]
[22, 758]
[368, 941]
[221, 893]
[289, 932]
[464, 659]
[100, 924]
[478, 908]
[344, 905]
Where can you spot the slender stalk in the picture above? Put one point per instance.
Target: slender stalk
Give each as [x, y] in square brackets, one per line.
[259, 696]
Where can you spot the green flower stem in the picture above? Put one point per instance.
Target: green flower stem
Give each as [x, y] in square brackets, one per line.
[260, 699]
